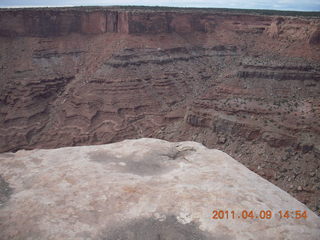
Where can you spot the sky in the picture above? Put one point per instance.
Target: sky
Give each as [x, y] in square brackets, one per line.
[296, 5]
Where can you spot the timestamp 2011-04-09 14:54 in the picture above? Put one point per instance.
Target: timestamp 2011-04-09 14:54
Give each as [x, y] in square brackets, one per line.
[218, 214]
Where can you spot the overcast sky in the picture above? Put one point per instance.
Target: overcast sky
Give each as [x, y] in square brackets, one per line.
[299, 5]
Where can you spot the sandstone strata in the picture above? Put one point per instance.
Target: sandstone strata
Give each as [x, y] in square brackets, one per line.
[141, 189]
[245, 83]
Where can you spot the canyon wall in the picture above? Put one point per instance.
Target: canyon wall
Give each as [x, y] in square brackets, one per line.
[244, 83]
[59, 22]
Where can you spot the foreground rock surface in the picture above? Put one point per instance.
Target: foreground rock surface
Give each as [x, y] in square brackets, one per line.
[140, 189]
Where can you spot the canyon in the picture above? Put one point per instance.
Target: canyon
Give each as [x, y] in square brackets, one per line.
[246, 83]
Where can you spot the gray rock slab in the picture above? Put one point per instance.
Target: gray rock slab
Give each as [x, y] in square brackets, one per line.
[145, 189]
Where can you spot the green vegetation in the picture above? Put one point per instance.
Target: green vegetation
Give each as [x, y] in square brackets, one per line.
[178, 9]
[231, 10]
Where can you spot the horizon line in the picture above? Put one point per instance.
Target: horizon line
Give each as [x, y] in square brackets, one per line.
[159, 6]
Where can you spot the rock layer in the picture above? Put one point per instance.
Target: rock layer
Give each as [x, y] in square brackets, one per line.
[142, 189]
[245, 83]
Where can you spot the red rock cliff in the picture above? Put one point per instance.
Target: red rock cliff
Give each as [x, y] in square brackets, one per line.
[50, 22]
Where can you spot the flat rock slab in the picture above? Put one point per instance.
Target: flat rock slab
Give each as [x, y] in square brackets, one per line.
[144, 189]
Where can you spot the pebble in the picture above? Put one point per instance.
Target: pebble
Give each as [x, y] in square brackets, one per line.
[299, 188]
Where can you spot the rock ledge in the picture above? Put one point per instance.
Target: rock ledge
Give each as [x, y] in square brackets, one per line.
[141, 189]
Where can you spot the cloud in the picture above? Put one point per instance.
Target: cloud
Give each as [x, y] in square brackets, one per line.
[304, 5]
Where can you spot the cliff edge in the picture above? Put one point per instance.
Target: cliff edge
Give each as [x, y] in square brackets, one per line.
[144, 189]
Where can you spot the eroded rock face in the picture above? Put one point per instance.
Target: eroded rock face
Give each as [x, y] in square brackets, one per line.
[244, 83]
[142, 189]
